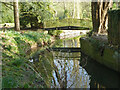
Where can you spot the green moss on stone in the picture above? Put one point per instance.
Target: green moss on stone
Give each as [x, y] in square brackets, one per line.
[108, 57]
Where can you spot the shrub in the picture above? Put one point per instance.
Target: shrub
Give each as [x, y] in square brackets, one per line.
[55, 32]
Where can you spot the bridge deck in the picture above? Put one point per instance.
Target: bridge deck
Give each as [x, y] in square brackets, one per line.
[66, 49]
[67, 28]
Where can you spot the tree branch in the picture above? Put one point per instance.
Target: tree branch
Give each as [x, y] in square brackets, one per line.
[7, 5]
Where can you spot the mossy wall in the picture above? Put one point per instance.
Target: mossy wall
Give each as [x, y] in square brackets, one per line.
[114, 27]
[106, 55]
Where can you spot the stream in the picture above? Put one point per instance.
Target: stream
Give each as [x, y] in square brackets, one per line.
[67, 69]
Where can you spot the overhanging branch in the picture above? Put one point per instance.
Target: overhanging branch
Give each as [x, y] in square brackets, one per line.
[8, 5]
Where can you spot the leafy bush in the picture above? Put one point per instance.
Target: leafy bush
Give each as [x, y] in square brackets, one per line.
[52, 32]
[34, 13]
[55, 32]
[6, 13]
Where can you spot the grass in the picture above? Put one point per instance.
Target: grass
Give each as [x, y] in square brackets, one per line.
[15, 64]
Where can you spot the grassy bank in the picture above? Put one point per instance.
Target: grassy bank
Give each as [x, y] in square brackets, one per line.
[16, 69]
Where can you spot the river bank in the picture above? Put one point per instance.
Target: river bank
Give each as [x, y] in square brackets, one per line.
[16, 69]
[18, 47]
[101, 51]
[69, 69]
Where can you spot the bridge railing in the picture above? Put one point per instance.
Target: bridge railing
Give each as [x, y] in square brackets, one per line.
[68, 22]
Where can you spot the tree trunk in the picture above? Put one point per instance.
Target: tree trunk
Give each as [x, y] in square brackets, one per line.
[95, 16]
[104, 7]
[65, 5]
[74, 10]
[78, 13]
[100, 16]
[16, 15]
[65, 16]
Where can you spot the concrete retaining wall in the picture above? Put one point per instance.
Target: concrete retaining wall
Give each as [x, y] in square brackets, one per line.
[106, 55]
[114, 27]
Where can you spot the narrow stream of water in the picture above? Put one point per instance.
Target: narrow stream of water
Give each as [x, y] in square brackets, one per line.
[73, 69]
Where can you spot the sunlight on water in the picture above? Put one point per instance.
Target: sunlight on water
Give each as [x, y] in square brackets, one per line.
[71, 75]
[72, 69]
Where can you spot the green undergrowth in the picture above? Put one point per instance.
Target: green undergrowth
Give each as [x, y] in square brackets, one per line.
[55, 32]
[17, 71]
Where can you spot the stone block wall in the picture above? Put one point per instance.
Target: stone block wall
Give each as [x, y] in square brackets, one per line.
[106, 55]
[114, 27]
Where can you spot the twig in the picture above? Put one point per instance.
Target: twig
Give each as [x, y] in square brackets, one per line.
[36, 73]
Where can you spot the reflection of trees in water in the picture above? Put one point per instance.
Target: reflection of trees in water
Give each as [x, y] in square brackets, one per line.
[58, 43]
[61, 70]
[67, 43]
[68, 74]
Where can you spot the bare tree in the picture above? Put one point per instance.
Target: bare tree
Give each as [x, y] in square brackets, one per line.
[74, 10]
[78, 12]
[100, 16]
[16, 15]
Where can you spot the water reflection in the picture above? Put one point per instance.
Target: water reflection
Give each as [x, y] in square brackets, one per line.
[67, 43]
[72, 69]
[101, 76]
[61, 70]
[68, 73]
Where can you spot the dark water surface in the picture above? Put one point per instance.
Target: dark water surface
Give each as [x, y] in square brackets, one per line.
[73, 69]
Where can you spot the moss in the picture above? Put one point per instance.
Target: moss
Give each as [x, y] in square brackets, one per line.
[109, 55]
